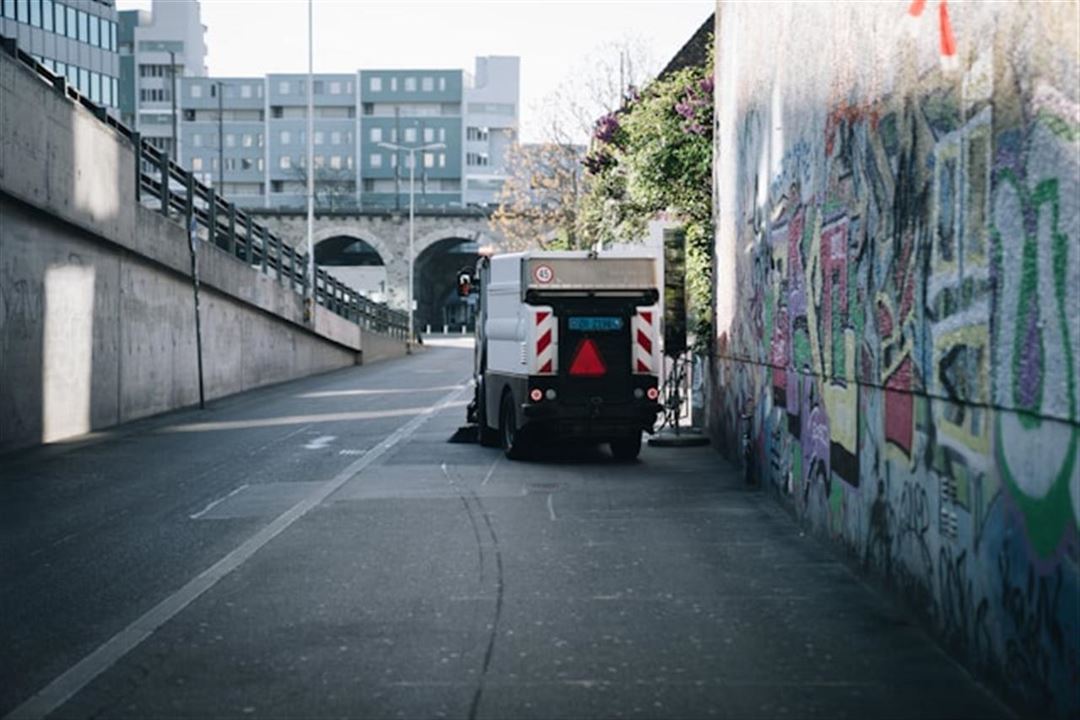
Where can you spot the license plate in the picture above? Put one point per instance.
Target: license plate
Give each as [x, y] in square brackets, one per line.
[595, 324]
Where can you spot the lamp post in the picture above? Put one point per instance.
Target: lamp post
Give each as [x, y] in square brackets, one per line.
[412, 193]
[309, 271]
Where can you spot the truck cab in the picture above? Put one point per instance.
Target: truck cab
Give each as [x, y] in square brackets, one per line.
[566, 349]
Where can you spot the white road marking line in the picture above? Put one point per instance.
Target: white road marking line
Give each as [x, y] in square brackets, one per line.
[491, 470]
[214, 503]
[351, 451]
[551, 506]
[82, 673]
[320, 442]
[384, 391]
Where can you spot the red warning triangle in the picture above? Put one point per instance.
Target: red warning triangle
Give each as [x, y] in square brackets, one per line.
[587, 361]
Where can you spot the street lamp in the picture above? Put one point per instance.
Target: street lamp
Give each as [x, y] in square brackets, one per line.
[412, 192]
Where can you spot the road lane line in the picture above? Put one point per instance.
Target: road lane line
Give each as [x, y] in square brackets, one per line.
[214, 503]
[82, 673]
[320, 442]
[491, 470]
[551, 506]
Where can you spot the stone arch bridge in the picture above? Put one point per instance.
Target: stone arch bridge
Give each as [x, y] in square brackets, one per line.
[369, 251]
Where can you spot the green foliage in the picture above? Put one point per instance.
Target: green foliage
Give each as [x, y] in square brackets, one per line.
[653, 157]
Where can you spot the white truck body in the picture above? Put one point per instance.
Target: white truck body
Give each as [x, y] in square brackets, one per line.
[579, 330]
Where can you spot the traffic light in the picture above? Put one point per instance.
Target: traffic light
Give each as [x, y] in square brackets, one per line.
[464, 284]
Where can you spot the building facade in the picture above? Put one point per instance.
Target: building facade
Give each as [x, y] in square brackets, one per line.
[157, 48]
[77, 39]
[261, 160]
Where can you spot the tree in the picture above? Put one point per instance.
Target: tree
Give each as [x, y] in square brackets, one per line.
[652, 156]
[335, 188]
[538, 200]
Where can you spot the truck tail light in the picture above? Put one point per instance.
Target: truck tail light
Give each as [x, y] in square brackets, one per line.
[652, 393]
[536, 394]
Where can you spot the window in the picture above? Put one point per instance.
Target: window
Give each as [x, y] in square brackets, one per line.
[84, 27]
[476, 159]
[72, 23]
[285, 137]
[442, 134]
[230, 163]
[277, 186]
[442, 160]
[245, 91]
[335, 138]
[247, 164]
[196, 140]
[393, 160]
[276, 111]
[335, 162]
[318, 137]
[429, 160]
[476, 133]
[348, 162]
[410, 84]
[319, 87]
[283, 87]
[58, 19]
[285, 162]
[259, 165]
[95, 30]
[95, 87]
[230, 140]
[196, 91]
[189, 115]
[247, 140]
[427, 84]
[22, 10]
[376, 134]
[429, 135]
[106, 90]
[320, 161]
[375, 84]
[369, 108]
[7, 8]
[335, 87]
[35, 13]
[259, 139]
[410, 135]
[442, 83]
[375, 160]
[47, 14]
[84, 81]
[112, 40]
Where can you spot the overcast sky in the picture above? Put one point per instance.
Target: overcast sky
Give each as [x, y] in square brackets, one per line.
[553, 38]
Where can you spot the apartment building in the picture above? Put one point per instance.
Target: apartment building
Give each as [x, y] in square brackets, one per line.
[156, 49]
[76, 39]
[261, 159]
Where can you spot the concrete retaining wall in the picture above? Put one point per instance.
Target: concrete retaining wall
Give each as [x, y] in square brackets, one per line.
[898, 306]
[96, 309]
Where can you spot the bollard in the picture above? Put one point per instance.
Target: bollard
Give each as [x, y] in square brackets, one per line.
[462, 329]
[428, 331]
[445, 329]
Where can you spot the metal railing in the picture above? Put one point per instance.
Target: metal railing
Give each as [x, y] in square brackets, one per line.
[174, 192]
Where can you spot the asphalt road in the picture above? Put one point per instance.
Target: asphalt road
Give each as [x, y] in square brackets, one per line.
[321, 549]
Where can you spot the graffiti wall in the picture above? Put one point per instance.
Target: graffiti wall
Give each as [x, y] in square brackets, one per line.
[898, 306]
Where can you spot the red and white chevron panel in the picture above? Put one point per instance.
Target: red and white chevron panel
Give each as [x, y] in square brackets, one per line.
[643, 338]
[545, 342]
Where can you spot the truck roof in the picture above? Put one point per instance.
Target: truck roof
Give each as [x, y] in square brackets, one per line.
[574, 271]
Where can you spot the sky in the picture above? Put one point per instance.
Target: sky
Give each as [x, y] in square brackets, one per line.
[557, 40]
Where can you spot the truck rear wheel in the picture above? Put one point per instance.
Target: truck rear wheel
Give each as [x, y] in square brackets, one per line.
[512, 441]
[627, 448]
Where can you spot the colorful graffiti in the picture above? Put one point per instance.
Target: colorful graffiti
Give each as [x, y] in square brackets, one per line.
[905, 352]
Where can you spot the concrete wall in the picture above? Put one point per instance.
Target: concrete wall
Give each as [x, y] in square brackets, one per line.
[96, 311]
[898, 306]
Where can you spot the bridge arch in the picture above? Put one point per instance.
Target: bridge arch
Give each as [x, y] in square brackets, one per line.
[357, 257]
[440, 254]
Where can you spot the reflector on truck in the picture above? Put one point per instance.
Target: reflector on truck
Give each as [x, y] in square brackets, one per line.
[587, 361]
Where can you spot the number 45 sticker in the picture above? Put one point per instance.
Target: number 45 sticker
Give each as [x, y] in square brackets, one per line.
[543, 274]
